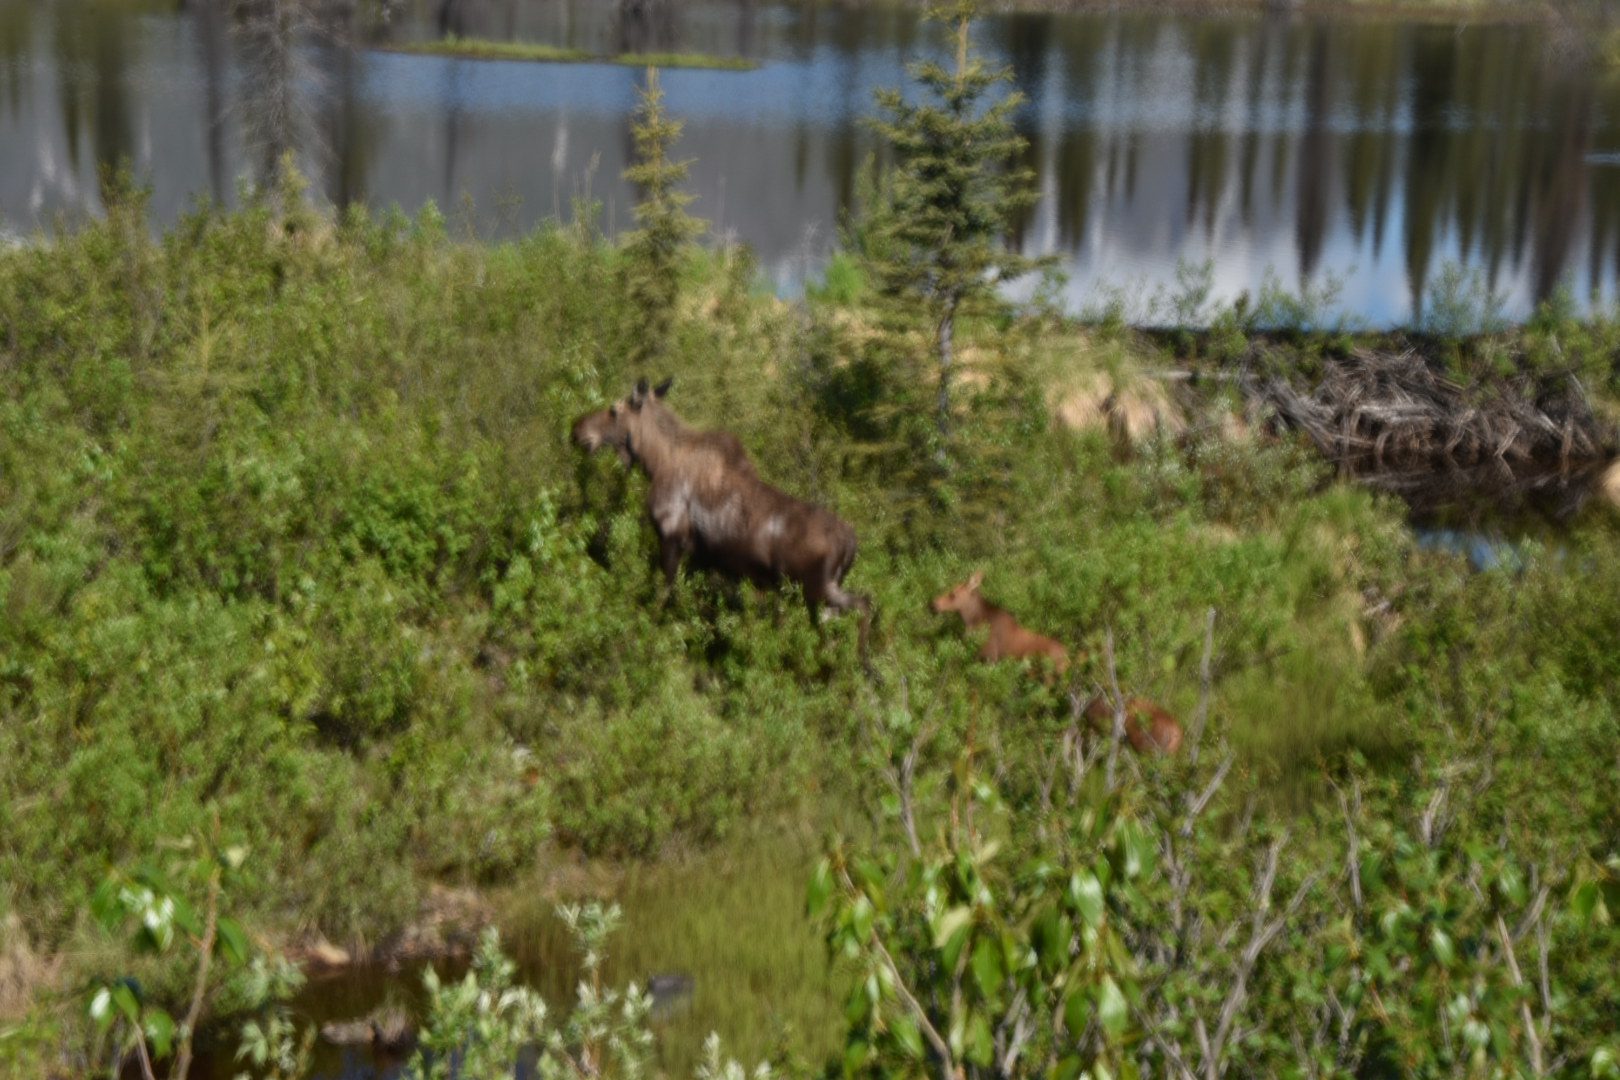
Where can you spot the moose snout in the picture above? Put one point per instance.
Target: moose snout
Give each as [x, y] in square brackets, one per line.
[586, 437]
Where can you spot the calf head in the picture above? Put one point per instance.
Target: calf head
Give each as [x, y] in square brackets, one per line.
[615, 425]
[964, 598]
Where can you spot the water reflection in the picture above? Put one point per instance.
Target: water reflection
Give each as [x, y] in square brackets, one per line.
[1366, 151]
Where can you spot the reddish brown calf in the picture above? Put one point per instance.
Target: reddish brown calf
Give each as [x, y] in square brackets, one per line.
[1007, 640]
[1149, 727]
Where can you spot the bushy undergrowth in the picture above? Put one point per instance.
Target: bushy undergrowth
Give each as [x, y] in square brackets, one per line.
[291, 533]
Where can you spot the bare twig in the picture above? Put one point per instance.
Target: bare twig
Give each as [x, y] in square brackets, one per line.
[1352, 859]
[1541, 958]
[1530, 1032]
[1262, 933]
[1196, 806]
[144, 1057]
[188, 1030]
[1428, 827]
[941, 1048]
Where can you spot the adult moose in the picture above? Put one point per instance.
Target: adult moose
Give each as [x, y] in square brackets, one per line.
[707, 500]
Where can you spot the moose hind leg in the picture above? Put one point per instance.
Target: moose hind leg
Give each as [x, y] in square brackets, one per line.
[672, 548]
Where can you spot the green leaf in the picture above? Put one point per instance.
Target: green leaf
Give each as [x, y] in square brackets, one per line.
[1112, 1013]
[858, 1007]
[185, 917]
[105, 906]
[869, 875]
[1583, 900]
[949, 923]
[1440, 942]
[1068, 1068]
[232, 941]
[1137, 850]
[821, 885]
[1076, 1012]
[980, 1045]
[952, 952]
[123, 998]
[1605, 1064]
[1052, 935]
[987, 972]
[1510, 883]
[159, 1027]
[860, 917]
[234, 856]
[906, 1034]
[855, 1054]
[101, 1008]
[1086, 894]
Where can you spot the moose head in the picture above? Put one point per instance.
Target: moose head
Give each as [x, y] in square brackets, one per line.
[614, 426]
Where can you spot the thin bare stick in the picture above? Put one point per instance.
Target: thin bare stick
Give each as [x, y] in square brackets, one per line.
[942, 1049]
[1201, 715]
[182, 1061]
[1429, 828]
[1541, 949]
[1262, 933]
[1170, 1049]
[1196, 806]
[1352, 857]
[143, 1056]
[1524, 1006]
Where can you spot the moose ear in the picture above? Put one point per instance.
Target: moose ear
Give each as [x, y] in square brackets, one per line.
[639, 394]
[663, 388]
[976, 580]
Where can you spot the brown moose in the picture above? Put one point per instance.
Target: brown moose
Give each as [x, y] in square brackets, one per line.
[1148, 727]
[707, 501]
[1008, 640]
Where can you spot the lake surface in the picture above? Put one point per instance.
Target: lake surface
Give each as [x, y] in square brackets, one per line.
[1409, 163]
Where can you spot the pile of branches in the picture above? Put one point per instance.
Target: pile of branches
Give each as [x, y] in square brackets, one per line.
[1394, 409]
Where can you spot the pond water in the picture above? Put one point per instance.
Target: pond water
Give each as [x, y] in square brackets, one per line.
[1423, 168]
[717, 933]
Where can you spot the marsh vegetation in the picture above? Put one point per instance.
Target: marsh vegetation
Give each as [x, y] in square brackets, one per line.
[320, 640]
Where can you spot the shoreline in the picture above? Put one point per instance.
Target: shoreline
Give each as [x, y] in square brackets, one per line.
[539, 53]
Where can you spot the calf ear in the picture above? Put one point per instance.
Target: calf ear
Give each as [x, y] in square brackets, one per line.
[976, 580]
[663, 388]
[639, 394]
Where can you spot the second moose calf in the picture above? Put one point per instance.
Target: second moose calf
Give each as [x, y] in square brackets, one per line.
[1150, 728]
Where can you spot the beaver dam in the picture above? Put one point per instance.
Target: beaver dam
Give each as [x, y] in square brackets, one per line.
[1380, 410]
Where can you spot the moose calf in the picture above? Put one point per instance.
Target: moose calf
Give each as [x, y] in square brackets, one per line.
[1148, 727]
[1007, 640]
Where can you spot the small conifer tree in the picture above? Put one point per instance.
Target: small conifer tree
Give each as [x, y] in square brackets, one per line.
[653, 251]
[934, 239]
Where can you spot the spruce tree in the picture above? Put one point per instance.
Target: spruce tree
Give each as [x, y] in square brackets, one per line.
[934, 240]
[653, 251]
